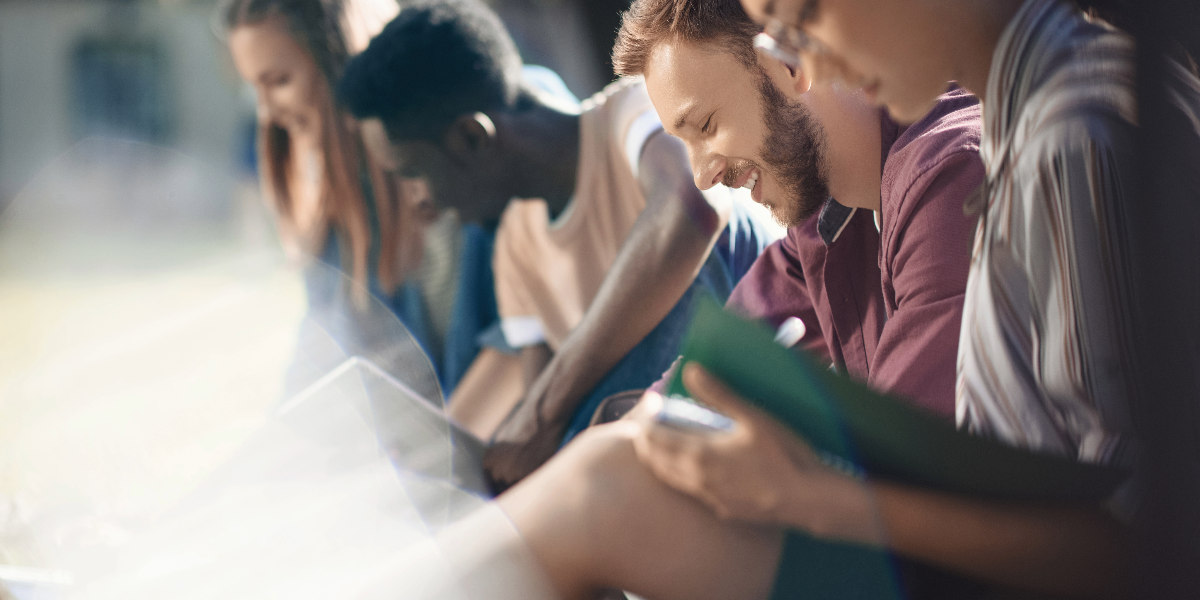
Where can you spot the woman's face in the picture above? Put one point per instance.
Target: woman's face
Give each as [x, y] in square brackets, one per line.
[895, 51]
[285, 77]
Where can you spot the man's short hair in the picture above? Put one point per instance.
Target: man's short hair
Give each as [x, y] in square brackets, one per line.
[437, 60]
[649, 22]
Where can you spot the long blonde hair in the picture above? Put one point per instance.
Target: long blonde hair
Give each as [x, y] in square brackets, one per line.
[331, 31]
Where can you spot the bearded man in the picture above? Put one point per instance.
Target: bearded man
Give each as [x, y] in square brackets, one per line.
[875, 259]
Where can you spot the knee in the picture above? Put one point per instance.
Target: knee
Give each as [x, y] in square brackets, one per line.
[596, 459]
[569, 510]
[611, 483]
[593, 478]
[603, 455]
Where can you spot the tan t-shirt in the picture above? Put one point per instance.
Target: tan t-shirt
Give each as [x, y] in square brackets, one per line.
[548, 273]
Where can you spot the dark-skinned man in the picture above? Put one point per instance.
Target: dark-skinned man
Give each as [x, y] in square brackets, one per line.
[603, 239]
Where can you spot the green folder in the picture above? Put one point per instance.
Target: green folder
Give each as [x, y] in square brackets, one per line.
[885, 437]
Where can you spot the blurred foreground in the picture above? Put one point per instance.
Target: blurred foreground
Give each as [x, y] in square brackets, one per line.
[147, 446]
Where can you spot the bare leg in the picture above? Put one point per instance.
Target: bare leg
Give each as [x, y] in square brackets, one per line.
[596, 518]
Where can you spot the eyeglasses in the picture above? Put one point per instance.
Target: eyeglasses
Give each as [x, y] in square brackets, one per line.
[784, 42]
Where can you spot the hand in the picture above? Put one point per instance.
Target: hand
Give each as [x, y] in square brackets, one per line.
[759, 472]
[522, 443]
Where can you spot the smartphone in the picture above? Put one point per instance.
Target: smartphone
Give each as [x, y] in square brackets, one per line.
[684, 414]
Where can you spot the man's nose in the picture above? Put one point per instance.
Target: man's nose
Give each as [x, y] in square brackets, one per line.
[709, 170]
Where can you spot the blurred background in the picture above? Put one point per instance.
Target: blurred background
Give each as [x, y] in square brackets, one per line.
[136, 253]
[154, 71]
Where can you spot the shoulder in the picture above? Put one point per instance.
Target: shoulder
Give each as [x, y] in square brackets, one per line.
[951, 129]
[1088, 126]
[624, 112]
[1084, 95]
[618, 94]
[943, 150]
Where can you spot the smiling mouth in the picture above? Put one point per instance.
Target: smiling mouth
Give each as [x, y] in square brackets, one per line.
[751, 180]
[738, 178]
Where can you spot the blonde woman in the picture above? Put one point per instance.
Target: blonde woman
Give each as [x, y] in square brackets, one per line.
[333, 202]
[313, 168]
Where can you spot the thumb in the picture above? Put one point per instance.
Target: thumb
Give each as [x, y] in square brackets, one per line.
[706, 388]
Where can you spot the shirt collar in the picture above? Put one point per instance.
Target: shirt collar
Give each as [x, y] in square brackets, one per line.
[834, 216]
[833, 220]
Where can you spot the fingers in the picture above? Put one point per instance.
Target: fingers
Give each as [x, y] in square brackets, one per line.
[494, 468]
[712, 391]
[675, 460]
[504, 470]
[751, 422]
[506, 462]
[682, 460]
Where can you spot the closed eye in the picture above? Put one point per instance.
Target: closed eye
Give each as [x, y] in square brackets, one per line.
[275, 79]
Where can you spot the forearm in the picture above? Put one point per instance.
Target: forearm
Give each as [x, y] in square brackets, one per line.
[1058, 549]
[1052, 549]
[658, 261]
[534, 360]
[657, 264]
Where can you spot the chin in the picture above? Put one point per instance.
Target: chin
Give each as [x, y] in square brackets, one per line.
[907, 113]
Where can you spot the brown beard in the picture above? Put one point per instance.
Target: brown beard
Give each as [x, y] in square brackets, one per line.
[794, 151]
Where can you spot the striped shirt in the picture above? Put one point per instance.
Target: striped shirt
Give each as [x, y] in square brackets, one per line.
[1044, 354]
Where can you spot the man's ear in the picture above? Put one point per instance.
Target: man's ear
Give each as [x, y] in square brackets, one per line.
[469, 136]
[792, 81]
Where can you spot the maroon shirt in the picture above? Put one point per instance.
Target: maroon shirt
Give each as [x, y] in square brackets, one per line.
[885, 305]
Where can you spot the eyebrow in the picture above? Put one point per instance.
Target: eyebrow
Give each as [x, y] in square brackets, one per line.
[681, 120]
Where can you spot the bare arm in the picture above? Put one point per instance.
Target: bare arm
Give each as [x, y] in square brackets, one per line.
[1059, 549]
[658, 261]
[763, 473]
[533, 361]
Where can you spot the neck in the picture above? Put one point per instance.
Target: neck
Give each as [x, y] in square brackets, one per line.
[982, 23]
[852, 132]
[544, 144]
